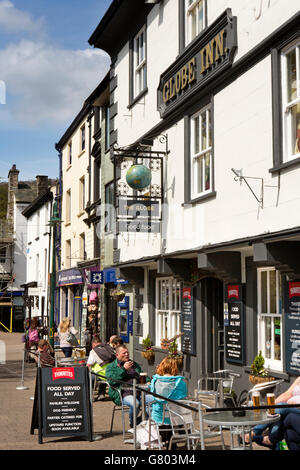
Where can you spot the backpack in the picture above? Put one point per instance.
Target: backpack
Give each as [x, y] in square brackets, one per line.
[106, 353]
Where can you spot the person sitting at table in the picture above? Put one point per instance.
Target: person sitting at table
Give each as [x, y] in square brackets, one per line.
[99, 357]
[123, 371]
[276, 430]
[116, 341]
[168, 383]
[45, 354]
[291, 430]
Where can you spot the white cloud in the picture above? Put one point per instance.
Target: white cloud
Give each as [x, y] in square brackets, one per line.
[14, 20]
[49, 84]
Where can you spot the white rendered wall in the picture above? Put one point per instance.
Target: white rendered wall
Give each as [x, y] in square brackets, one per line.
[243, 139]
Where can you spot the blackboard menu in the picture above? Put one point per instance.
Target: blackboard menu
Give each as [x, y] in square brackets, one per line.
[292, 327]
[65, 402]
[234, 324]
[188, 327]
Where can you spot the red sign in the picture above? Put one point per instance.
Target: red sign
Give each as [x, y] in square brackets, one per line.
[294, 289]
[186, 293]
[63, 373]
[232, 292]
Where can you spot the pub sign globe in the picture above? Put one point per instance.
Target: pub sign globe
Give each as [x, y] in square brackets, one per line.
[138, 176]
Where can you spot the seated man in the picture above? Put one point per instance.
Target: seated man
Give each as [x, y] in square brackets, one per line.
[125, 370]
[45, 354]
[99, 358]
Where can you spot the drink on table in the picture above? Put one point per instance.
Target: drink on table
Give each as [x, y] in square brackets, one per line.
[270, 402]
[256, 400]
[143, 376]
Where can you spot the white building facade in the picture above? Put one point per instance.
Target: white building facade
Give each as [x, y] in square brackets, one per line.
[38, 252]
[213, 88]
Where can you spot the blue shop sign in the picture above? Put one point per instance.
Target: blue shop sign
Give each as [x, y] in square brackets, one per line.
[110, 275]
[96, 277]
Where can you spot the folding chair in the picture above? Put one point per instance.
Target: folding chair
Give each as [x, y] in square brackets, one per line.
[183, 425]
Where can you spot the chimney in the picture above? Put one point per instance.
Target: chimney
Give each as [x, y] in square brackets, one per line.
[13, 180]
[41, 184]
[13, 177]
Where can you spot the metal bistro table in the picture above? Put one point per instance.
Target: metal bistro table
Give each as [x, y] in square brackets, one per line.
[239, 424]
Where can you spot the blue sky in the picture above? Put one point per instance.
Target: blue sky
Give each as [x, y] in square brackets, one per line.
[47, 69]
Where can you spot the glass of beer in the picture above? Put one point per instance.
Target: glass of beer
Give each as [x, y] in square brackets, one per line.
[256, 400]
[270, 402]
[143, 376]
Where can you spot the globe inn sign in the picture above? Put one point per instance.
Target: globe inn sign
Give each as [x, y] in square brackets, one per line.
[200, 63]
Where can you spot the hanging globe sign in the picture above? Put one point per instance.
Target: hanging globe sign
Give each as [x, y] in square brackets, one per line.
[138, 176]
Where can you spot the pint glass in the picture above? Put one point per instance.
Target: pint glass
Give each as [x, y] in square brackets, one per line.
[143, 377]
[256, 400]
[271, 401]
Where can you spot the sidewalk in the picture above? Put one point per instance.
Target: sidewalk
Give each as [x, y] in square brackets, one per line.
[16, 411]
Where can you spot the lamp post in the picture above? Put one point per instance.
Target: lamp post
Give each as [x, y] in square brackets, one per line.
[53, 223]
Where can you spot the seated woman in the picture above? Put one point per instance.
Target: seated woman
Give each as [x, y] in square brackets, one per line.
[168, 383]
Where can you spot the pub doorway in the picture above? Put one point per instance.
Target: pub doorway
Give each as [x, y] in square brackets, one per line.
[210, 312]
[111, 323]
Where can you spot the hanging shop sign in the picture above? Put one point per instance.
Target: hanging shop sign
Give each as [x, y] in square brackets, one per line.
[234, 324]
[200, 63]
[137, 226]
[69, 277]
[132, 208]
[292, 327]
[188, 323]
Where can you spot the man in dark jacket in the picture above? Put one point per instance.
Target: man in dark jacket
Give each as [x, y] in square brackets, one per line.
[125, 370]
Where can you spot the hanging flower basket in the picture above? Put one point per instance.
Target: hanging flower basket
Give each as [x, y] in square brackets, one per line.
[148, 354]
[118, 295]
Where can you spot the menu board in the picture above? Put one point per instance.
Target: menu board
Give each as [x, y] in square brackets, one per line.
[188, 327]
[292, 327]
[234, 324]
[65, 403]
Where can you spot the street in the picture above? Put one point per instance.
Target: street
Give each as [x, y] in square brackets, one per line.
[17, 405]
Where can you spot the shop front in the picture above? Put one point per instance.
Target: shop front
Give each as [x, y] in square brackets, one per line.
[70, 284]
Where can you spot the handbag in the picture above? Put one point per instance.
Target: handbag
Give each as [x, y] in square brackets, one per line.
[71, 338]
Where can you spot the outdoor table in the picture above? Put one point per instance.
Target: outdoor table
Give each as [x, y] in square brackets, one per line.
[143, 398]
[239, 424]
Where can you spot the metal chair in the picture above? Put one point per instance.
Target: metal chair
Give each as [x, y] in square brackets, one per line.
[98, 381]
[123, 408]
[164, 389]
[217, 386]
[183, 425]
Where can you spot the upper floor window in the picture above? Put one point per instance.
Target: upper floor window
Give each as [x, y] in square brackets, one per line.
[201, 153]
[82, 193]
[109, 207]
[291, 100]
[82, 137]
[2, 255]
[194, 18]
[70, 154]
[139, 62]
[68, 206]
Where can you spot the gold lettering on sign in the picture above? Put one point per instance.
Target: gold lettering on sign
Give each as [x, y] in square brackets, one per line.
[212, 52]
[179, 82]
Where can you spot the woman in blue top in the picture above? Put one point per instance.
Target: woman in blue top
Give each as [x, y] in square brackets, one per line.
[168, 383]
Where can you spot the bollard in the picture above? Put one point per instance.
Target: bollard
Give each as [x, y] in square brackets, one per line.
[22, 386]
